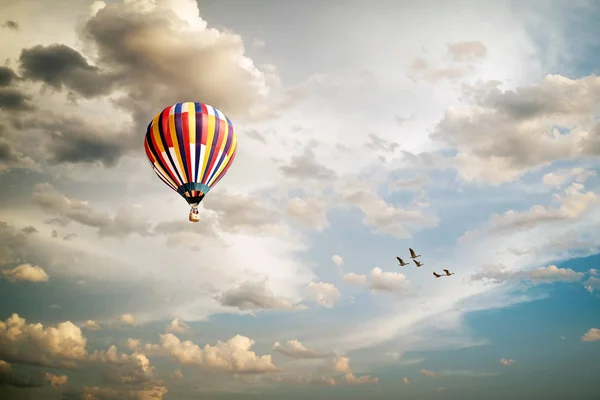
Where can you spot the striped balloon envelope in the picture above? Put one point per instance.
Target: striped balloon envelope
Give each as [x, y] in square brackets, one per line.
[190, 147]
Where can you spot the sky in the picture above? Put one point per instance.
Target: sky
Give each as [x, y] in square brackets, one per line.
[468, 131]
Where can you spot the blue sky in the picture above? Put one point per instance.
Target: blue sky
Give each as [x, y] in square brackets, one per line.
[466, 131]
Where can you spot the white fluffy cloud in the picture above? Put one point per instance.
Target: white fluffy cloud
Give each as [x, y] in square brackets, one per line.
[231, 356]
[337, 260]
[32, 343]
[92, 325]
[355, 279]
[592, 335]
[26, 272]
[522, 127]
[177, 326]
[295, 349]
[127, 319]
[380, 281]
[56, 380]
[323, 293]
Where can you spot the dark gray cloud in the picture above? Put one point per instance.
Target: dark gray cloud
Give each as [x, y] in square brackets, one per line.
[14, 100]
[125, 221]
[72, 140]
[60, 66]
[29, 230]
[7, 76]
[7, 153]
[147, 53]
[10, 24]
[15, 379]
[253, 296]
[306, 166]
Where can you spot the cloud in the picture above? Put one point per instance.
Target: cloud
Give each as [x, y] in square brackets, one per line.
[386, 218]
[305, 167]
[14, 100]
[592, 283]
[337, 260]
[428, 373]
[125, 222]
[467, 51]
[60, 66]
[338, 364]
[421, 69]
[379, 144]
[507, 362]
[561, 176]
[572, 206]
[526, 128]
[26, 272]
[592, 335]
[177, 326]
[98, 393]
[388, 281]
[352, 379]
[295, 349]
[14, 245]
[178, 374]
[7, 76]
[550, 274]
[92, 326]
[29, 230]
[380, 281]
[10, 377]
[33, 344]
[413, 184]
[253, 296]
[127, 319]
[231, 356]
[355, 279]
[122, 58]
[237, 213]
[56, 380]
[308, 212]
[10, 24]
[10, 157]
[323, 293]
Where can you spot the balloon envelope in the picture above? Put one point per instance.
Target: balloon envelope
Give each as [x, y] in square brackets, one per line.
[190, 146]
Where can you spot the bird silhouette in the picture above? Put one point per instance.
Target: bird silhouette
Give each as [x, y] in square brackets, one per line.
[418, 263]
[436, 275]
[402, 263]
[448, 273]
[413, 254]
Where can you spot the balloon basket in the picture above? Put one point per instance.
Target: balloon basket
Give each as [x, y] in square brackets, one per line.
[194, 217]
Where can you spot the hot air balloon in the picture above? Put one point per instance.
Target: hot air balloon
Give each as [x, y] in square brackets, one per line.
[190, 147]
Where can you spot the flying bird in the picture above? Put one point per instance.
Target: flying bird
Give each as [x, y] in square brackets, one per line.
[402, 263]
[448, 273]
[436, 275]
[418, 263]
[413, 254]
